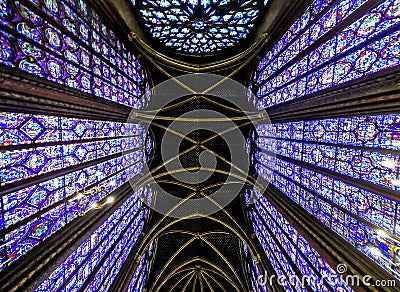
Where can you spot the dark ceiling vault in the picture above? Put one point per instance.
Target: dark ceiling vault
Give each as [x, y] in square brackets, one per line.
[194, 250]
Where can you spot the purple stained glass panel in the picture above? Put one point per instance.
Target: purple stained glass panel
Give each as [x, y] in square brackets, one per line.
[61, 53]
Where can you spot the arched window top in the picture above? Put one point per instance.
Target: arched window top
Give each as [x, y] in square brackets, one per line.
[199, 27]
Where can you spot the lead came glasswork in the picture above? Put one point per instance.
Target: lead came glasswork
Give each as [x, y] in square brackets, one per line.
[331, 144]
[255, 275]
[21, 240]
[19, 129]
[122, 226]
[371, 132]
[23, 164]
[140, 276]
[285, 243]
[56, 197]
[58, 47]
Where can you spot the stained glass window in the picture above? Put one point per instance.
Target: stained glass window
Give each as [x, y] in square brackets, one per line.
[343, 171]
[199, 26]
[93, 159]
[369, 44]
[316, 164]
[294, 260]
[65, 42]
[106, 249]
[256, 276]
[149, 144]
[141, 273]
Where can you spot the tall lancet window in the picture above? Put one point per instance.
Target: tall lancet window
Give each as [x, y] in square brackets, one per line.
[142, 270]
[94, 265]
[310, 58]
[55, 169]
[255, 274]
[297, 265]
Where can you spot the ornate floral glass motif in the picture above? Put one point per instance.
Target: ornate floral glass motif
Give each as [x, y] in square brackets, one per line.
[367, 46]
[69, 45]
[287, 249]
[201, 26]
[107, 248]
[315, 166]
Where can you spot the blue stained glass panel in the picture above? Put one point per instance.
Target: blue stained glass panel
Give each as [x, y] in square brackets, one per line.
[74, 271]
[309, 262]
[357, 233]
[338, 154]
[22, 164]
[140, 276]
[255, 274]
[48, 51]
[368, 59]
[361, 148]
[58, 199]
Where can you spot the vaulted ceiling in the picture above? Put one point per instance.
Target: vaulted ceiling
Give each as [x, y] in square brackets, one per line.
[204, 253]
